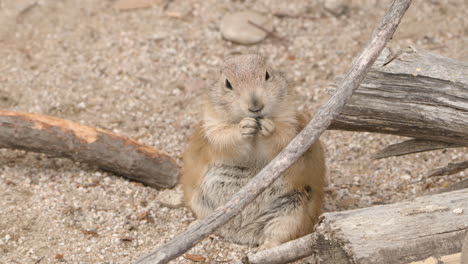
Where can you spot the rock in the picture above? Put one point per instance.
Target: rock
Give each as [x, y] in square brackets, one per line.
[236, 27]
[171, 198]
[336, 7]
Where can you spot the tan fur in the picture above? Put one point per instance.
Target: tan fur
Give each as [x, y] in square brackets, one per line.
[226, 136]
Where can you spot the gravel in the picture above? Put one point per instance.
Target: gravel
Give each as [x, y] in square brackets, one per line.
[141, 73]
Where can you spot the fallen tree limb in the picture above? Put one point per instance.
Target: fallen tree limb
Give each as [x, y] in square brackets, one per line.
[293, 151]
[432, 225]
[412, 146]
[451, 168]
[416, 94]
[285, 253]
[104, 149]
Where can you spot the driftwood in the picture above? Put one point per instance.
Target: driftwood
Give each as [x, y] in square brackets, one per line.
[293, 151]
[106, 150]
[417, 94]
[403, 232]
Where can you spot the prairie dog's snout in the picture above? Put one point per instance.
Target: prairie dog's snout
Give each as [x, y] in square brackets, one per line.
[255, 104]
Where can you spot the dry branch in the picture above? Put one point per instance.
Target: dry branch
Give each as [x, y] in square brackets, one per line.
[412, 146]
[451, 168]
[387, 234]
[417, 94]
[293, 151]
[104, 149]
[285, 253]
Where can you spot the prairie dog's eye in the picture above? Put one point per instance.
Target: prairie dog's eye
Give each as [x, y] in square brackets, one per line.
[267, 76]
[228, 84]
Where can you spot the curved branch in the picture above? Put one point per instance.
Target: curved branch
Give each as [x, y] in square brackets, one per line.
[293, 151]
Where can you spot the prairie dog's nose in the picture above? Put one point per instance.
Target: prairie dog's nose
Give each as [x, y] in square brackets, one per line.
[255, 105]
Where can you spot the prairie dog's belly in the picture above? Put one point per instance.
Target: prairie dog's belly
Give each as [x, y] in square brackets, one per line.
[221, 182]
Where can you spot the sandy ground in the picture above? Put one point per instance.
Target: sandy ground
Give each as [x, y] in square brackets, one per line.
[141, 73]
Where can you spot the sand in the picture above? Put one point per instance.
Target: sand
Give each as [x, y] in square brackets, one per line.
[141, 73]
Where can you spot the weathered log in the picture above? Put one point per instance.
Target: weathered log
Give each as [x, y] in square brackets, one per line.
[417, 94]
[102, 148]
[295, 148]
[398, 233]
[432, 225]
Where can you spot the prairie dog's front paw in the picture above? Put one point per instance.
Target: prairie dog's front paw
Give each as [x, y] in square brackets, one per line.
[248, 127]
[267, 126]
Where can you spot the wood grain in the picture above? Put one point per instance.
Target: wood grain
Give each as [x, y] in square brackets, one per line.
[429, 226]
[418, 94]
[107, 150]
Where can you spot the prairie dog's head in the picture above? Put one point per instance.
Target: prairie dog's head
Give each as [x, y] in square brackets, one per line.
[248, 87]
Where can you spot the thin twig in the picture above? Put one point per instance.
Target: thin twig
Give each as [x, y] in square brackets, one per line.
[269, 32]
[451, 168]
[26, 10]
[293, 151]
[39, 260]
[284, 253]
[287, 15]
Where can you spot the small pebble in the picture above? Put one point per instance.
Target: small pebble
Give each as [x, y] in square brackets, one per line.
[336, 7]
[237, 28]
[458, 211]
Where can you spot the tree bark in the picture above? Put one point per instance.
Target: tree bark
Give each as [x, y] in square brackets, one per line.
[105, 149]
[414, 94]
[293, 151]
[403, 232]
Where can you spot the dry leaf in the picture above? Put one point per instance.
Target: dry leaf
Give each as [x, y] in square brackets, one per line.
[90, 232]
[134, 4]
[143, 215]
[59, 256]
[136, 183]
[127, 238]
[194, 258]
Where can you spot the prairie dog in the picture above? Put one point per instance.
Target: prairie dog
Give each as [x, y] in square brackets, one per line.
[249, 117]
